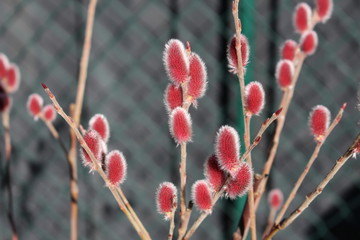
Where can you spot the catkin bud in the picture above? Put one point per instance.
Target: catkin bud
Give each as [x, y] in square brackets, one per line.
[173, 97]
[302, 17]
[309, 42]
[213, 173]
[241, 182]
[324, 9]
[232, 56]
[319, 121]
[94, 142]
[4, 64]
[180, 125]
[100, 124]
[198, 77]
[166, 196]
[34, 105]
[116, 167]
[49, 113]
[12, 78]
[288, 50]
[201, 195]
[284, 73]
[176, 62]
[254, 98]
[227, 148]
[275, 199]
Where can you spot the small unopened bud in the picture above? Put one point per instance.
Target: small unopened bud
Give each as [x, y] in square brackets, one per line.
[241, 182]
[201, 195]
[284, 73]
[319, 121]
[94, 142]
[5, 101]
[173, 97]
[324, 9]
[227, 148]
[176, 62]
[309, 42]
[275, 199]
[288, 50]
[198, 77]
[254, 98]
[213, 173]
[4, 64]
[100, 124]
[34, 105]
[232, 56]
[116, 167]
[12, 78]
[180, 125]
[166, 196]
[49, 113]
[302, 17]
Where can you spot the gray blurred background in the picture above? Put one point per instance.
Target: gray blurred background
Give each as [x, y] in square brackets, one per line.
[126, 81]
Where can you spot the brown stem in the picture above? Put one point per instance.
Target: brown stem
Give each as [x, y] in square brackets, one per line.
[270, 221]
[318, 190]
[172, 221]
[7, 178]
[308, 166]
[96, 165]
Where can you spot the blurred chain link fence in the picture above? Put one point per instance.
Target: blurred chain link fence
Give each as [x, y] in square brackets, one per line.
[126, 81]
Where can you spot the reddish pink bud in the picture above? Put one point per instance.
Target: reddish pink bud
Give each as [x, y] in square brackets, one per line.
[198, 75]
[173, 97]
[232, 56]
[227, 148]
[275, 199]
[284, 73]
[241, 182]
[115, 167]
[213, 173]
[180, 125]
[288, 50]
[94, 142]
[12, 78]
[34, 105]
[5, 101]
[176, 62]
[324, 9]
[201, 195]
[49, 113]
[319, 121]
[309, 42]
[100, 124]
[4, 64]
[254, 98]
[166, 196]
[302, 17]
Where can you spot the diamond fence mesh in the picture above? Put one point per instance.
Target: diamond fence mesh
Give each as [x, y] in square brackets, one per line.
[126, 81]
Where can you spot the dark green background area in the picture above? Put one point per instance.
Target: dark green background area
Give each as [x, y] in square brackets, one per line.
[126, 82]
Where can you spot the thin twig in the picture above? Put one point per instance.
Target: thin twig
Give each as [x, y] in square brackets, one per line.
[172, 221]
[96, 165]
[270, 221]
[220, 193]
[318, 190]
[308, 166]
[132, 212]
[7, 179]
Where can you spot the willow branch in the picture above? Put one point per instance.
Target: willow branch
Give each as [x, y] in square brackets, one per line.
[308, 166]
[96, 165]
[318, 190]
